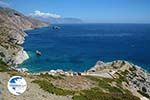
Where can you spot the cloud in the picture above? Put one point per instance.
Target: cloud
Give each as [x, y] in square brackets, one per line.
[38, 13]
[4, 4]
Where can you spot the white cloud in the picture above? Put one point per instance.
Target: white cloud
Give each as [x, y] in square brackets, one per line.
[3, 4]
[38, 13]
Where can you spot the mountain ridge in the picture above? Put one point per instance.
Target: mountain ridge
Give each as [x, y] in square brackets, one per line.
[12, 35]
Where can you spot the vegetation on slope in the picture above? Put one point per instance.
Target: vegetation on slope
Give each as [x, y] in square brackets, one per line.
[103, 91]
[144, 94]
[3, 67]
[47, 86]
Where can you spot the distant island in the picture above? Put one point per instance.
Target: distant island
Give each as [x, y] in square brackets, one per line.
[55, 19]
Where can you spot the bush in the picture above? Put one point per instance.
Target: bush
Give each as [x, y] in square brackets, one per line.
[144, 94]
[97, 93]
[3, 67]
[49, 87]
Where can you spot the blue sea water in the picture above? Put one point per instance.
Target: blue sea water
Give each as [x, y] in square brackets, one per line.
[78, 47]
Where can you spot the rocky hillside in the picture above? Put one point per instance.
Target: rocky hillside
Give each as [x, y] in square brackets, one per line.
[131, 77]
[12, 24]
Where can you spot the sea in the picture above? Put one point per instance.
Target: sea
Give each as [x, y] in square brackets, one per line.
[77, 47]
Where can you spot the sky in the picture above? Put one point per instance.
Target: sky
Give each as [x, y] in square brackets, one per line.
[96, 11]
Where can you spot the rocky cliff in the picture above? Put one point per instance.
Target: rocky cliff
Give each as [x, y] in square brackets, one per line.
[12, 26]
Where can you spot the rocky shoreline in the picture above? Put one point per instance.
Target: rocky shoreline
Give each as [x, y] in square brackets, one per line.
[135, 77]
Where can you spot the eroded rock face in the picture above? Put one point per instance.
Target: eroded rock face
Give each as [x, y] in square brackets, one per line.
[12, 24]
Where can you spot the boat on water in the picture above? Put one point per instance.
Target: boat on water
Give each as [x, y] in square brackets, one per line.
[38, 53]
[56, 27]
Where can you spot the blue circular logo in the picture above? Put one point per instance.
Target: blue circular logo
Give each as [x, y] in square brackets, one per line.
[17, 85]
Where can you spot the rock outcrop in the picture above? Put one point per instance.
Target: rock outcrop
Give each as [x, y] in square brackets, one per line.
[135, 77]
[12, 35]
[140, 81]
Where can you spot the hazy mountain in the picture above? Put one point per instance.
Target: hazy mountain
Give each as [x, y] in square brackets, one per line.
[59, 20]
[53, 18]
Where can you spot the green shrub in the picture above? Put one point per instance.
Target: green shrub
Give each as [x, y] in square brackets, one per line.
[2, 54]
[132, 69]
[49, 87]
[3, 67]
[144, 94]
[97, 93]
[47, 76]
